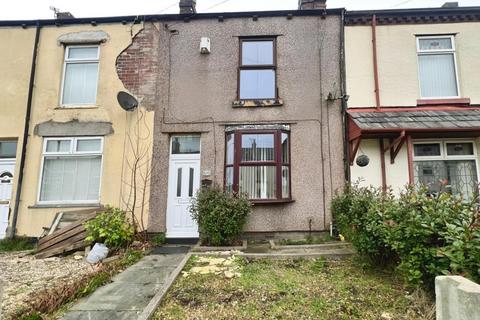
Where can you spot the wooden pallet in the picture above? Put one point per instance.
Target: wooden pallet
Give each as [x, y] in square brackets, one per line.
[70, 237]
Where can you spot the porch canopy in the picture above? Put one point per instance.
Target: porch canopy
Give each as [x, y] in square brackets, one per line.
[400, 124]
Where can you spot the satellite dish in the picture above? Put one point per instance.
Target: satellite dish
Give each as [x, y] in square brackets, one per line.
[127, 101]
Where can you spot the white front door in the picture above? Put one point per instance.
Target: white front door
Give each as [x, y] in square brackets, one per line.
[7, 170]
[183, 184]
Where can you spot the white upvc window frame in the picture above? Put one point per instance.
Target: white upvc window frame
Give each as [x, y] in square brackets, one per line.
[67, 60]
[71, 153]
[443, 152]
[434, 52]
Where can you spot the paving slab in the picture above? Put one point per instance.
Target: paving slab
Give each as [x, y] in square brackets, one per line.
[130, 291]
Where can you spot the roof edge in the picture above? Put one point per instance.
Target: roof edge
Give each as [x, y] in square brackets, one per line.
[413, 16]
[170, 17]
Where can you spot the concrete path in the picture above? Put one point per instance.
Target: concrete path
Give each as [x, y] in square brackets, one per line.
[131, 291]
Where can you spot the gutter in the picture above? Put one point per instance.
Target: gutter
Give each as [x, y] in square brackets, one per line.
[26, 130]
[172, 17]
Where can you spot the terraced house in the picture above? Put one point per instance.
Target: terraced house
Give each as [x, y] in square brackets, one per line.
[251, 101]
[414, 116]
[64, 139]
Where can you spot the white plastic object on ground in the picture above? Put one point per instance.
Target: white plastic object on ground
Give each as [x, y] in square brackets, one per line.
[98, 253]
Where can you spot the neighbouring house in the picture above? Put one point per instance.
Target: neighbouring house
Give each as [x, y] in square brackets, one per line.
[414, 109]
[250, 101]
[65, 143]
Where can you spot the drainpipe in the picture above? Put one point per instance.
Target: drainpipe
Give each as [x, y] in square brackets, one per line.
[343, 80]
[375, 62]
[26, 130]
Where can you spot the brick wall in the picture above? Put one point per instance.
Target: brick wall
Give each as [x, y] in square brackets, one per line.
[138, 66]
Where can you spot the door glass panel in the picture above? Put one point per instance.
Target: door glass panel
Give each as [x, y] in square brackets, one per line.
[186, 145]
[179, 182]
[460, 149]
[8, 149]
[426, 149]
[190, 182]
[258, 147]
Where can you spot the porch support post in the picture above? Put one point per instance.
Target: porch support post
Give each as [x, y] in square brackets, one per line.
[382, 161]
[410, 159]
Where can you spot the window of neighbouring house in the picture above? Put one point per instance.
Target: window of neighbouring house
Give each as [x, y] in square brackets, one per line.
[446, 166]
[80, 75]
[71, 170]
[257, 162]
[257, 72]
[437, 67]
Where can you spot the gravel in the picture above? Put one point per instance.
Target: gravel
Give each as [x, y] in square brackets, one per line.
[22, 274]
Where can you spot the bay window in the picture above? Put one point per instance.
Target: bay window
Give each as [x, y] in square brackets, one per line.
[71, 170]
[446, 166]
[437, 67]
[257, 163]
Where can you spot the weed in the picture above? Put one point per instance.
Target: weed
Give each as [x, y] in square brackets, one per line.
[16, 244]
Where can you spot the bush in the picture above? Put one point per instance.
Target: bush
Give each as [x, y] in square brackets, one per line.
[16, 244]
[111, 228]
[221, 217]
[426, 235]
[159, 239]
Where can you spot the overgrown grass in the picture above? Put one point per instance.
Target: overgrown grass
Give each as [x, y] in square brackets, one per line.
[51, 304]
[16, 244]
[308, 240]
[295, 289]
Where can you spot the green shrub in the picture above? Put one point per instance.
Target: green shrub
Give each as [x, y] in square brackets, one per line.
[111, 228]
[159, 239]
[426, 235]
[221, 217]
[16, 244]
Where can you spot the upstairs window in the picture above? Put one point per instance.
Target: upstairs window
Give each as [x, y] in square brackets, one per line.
[71, 170]
[257, 162]
[80, 75]
[257, 74]
[437, 67]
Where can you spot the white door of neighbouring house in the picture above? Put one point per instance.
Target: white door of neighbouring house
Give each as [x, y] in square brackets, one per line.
[183, 183]
[7, 168]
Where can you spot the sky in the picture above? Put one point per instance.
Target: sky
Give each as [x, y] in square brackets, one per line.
[40, 9]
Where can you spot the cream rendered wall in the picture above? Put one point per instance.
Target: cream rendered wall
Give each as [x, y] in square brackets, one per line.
[397, 62]
[116, 182]
[371, 175]
[16, 46]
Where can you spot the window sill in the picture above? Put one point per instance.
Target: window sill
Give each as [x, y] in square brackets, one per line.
[65, 205]
[74, 107]
[457, 101]
[268, 202]
[252, 103]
